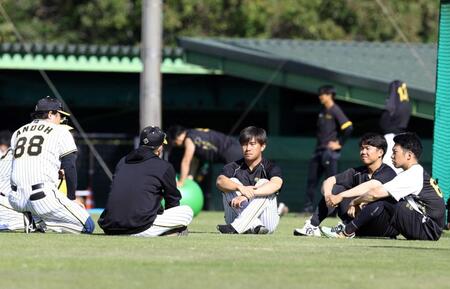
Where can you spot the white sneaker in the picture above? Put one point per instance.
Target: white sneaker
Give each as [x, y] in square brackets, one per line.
[336, 232]
[282, 209]
[308, 230]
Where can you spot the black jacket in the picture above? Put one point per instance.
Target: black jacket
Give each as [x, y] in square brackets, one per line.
[140, 182]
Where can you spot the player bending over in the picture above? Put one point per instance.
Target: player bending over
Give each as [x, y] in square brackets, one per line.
[40, 149]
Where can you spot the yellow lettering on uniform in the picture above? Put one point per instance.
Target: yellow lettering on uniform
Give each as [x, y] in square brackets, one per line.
[403, 93]
[435, 186]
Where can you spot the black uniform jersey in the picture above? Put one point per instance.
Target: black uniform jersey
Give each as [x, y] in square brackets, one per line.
[211, 145]
[353, 177]
[141, 181]
[395, 117]
[329, 122]
[239, 169]
[430, 199]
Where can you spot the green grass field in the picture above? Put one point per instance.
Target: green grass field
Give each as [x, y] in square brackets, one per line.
[206, 259]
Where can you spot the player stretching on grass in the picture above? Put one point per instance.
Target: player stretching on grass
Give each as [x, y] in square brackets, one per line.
[40, 149]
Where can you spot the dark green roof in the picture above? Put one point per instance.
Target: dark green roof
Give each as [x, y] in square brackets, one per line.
[81, 57]
[360, 70]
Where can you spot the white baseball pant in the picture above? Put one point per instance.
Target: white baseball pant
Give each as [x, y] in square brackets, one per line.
[261, 211]
[57, 212]
[10, 220]
[173, 218]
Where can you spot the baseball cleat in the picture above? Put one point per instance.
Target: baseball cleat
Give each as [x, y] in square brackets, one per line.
[282, 209]
[336, 232]
[226, 229]
[308, 230]
[180, 232]
[260, 230]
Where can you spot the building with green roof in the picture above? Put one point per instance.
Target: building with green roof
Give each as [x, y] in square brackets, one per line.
[211, 83]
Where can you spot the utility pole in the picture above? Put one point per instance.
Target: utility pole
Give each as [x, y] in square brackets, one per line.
[150, 86]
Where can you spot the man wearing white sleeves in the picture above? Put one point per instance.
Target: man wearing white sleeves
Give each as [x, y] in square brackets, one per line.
[420, 210]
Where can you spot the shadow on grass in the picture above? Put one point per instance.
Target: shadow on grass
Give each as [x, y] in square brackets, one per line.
[411, 248]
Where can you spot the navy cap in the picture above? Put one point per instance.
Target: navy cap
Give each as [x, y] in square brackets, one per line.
[50, 104]
[152, 136]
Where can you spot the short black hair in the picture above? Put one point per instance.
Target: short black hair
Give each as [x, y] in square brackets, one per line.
[174, 131]
[250, 132]
[375, 140]
[5, 137]
[327, 89]
[411, 142]
[41, 114]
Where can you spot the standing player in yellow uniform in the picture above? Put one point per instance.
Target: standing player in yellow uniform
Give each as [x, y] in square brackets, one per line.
[333, 128]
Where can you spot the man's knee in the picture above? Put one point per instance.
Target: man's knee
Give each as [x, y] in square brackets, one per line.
[337, 189]
[261, 182]
[375, 208]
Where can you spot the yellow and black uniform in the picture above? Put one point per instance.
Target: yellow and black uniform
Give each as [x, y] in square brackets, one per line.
[214, 146]
[332, 125]
[420, 211]
[264, 170]
[395, 117]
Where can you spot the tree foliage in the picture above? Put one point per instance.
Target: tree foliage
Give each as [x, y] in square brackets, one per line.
[118, 21]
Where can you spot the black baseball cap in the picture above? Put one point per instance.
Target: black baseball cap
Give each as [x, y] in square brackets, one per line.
[50, 104]
[152, 136]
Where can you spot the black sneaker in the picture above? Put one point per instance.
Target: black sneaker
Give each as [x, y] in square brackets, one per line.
[181, 231]
[226, 229]
[41, 227]
[260, 230]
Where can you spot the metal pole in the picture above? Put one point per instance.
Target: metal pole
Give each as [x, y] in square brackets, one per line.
[150, 86]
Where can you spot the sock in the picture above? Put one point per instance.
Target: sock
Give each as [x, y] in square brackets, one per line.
[321, 213]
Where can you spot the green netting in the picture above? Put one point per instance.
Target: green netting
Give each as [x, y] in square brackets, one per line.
[441, 145]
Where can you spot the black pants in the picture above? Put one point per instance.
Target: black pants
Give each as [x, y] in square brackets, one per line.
[323, 162]
[375, 219]
[322, 211]
[413, 226]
